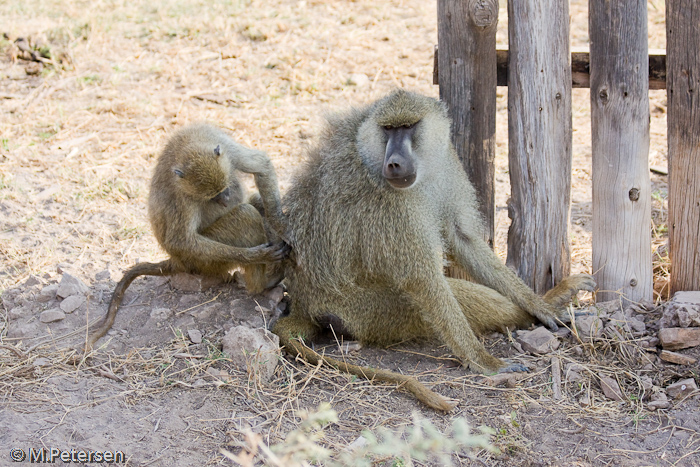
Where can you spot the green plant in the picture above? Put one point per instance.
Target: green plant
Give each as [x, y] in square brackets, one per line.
[421, 441]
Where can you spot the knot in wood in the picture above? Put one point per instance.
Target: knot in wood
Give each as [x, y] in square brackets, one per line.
[603, 94]
[484, 13]
[633, 282]
[634, 194]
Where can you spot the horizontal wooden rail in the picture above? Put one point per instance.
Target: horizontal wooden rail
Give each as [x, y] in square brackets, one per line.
[580, 68]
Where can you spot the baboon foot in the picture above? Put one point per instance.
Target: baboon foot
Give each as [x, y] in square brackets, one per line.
[513, 367]
[568, 288]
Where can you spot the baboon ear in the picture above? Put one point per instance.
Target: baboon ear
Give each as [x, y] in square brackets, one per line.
[217, 150]
[179, 173]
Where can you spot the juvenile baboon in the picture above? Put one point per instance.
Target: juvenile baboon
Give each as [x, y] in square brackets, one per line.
[381, 199]
[198, 214]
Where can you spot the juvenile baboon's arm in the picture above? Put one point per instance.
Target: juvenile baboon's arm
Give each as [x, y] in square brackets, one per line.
[202, 249]
[290, 331]
[258, 163]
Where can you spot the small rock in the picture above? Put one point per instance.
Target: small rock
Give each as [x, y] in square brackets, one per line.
[357, 444]
[682, 388]
[679, 338]
[47, 293]
[683, 310]
[256, 350]
[358, 79]
[647, 383]
[659, 396]
[572, 376]
[41, 361]
[502, 379]
[654, 405]
[161, 314]
[72, 303]
[274, 295]
[538, 341]
[589, 327]
[62, 268]
[16, 312]
[49, 316]
[200, 383]
[194, 283]
[585, 400]
[677, 358]
[350, 346]
[241, 307]
[31, 281]
[195, 336]
[103, 275]
[649, 342]
[610, 388]
[71, 285]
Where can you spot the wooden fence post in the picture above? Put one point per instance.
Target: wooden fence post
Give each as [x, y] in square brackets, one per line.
[467, 79]
[539, 133]
[683, 85]
[620, 127]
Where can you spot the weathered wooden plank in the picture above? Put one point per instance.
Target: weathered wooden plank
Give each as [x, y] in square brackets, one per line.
[539, 133]
[620, 146]
[580, 68]
[683, 43]
[467, 60]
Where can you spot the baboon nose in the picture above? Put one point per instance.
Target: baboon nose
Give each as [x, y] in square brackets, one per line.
[223, 197]
[399, 172]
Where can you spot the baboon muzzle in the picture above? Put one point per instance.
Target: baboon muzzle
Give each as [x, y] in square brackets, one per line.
[223, 197]
[398, 168]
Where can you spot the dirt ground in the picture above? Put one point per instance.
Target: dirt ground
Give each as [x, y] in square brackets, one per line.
[80, 132]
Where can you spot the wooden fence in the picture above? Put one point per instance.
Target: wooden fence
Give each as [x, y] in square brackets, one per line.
[540, 70]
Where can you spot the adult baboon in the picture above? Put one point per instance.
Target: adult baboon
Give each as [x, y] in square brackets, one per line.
[198, 214]
[381, 200]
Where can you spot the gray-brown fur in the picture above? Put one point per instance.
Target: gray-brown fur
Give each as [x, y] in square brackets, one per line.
[199, 215]
[372, 254]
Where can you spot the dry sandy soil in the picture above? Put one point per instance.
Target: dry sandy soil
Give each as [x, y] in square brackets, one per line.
[79, 136]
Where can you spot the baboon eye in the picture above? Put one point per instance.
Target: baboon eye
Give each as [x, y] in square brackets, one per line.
[408, 127]
[217, 150]
[387, 127]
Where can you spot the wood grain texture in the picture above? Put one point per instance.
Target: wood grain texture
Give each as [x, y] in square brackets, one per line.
[683, 84]
[620, 132]
[467, 78]
[539, 133]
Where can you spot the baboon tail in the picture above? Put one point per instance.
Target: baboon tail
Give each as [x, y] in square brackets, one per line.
[422, 393]
[164, 268]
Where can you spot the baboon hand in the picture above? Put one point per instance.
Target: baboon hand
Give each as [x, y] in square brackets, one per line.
[548, 316]
[271, 252]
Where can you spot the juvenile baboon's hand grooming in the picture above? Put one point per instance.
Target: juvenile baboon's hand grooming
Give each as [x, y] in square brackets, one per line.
[199, 215]
[381, 200]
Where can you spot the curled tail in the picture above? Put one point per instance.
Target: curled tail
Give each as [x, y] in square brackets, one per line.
[164, 268]
[422, 393]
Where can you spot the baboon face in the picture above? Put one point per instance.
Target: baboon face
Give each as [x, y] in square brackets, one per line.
[399, 168]
[401, 136]
[203, 176]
